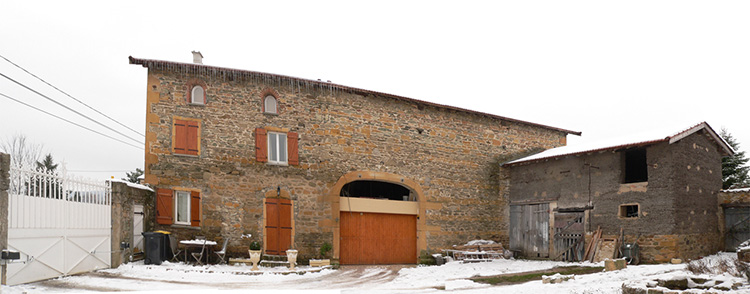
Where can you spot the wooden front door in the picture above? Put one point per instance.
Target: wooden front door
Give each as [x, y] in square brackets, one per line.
[278, 226]
[377, 238]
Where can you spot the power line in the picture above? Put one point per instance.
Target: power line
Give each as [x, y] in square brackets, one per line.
[68, 108]
[78, 125]
[71, 97]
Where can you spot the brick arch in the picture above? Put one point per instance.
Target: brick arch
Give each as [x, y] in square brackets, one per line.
[335, 200]
[265, 93]
[196, 82]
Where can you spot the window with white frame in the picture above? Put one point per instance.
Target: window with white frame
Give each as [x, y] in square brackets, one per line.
[197, 95]
[277, 148]
[269, 104]
[182, 207]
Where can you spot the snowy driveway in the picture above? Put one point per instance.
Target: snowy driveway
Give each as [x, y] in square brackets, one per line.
[349, 279]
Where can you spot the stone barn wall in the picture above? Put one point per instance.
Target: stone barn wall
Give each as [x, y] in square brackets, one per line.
[677, 204]
[453, 156]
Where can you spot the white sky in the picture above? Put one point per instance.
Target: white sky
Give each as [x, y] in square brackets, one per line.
[600, 67]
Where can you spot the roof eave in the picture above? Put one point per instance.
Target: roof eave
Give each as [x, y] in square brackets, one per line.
[147, 62]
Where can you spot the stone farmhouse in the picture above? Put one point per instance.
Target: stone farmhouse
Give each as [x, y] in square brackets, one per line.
[299, 163]
[661, 189]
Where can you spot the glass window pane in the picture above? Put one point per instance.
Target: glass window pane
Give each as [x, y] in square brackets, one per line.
[183, 199]
[272, 147]
[270, 104]
[282, 147]
[197, 96]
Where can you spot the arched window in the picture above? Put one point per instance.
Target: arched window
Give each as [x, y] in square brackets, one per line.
[197, 95]
[269, 104]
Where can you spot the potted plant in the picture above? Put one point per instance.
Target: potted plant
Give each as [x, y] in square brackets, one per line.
[325, 250]
[255, 251]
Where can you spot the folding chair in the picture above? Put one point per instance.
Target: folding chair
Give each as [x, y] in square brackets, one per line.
[223, 251]
[175, 249]
[199, 255]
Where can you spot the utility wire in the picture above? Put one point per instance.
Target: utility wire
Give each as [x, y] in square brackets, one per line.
[78, 125]
[71, 97]
[68, 108]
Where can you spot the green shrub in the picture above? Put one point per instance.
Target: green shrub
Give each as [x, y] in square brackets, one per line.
[255, 246]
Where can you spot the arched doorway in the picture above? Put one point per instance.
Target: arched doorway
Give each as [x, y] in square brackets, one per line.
[378, 219]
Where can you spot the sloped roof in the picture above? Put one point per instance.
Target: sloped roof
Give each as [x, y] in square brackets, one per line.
[635, 140]
[194, 68]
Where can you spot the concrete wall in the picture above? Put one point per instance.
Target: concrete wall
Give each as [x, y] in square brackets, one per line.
[4, 186]
[123, 199]
[453, 156]
[677, 205]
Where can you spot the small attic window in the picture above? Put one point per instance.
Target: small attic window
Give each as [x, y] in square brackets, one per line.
[197, 95]
[629, 211]
[635, 167]
[269, 105]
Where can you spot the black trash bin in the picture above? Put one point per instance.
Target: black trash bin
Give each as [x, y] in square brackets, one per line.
[154, 247]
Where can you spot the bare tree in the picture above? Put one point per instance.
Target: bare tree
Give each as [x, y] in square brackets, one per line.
[22, 151]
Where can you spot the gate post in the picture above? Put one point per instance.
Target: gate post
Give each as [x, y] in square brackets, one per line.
[4, 186]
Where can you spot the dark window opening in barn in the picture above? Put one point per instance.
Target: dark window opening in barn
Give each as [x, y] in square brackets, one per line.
[376, 190]
[635, 166]
[628, 211]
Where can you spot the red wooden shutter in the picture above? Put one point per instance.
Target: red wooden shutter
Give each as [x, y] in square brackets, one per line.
[195, 208]
[272, 226]
[180, 136]
[293, 147]
[261, 145]
[285, 225]
[164, 206]
[191, 144]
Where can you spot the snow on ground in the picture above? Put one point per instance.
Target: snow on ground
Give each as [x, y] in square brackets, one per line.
[453, 276]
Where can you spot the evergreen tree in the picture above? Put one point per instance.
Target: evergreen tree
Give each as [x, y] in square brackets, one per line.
[47, 165]
[133, 176]
[733, 168]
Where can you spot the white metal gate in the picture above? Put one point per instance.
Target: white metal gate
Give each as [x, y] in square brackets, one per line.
[60, 225]
[137, 228]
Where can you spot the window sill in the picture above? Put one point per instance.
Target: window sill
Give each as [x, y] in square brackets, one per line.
[185, 155]
[197, 104]
[176, 226]
[271, 113]
[277, 163]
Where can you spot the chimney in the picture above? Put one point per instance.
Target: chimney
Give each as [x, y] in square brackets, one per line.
[197, 57]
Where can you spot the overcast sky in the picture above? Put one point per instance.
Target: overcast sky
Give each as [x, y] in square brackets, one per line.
[604, 68]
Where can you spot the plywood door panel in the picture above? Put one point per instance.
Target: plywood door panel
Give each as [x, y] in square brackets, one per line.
[374, 238]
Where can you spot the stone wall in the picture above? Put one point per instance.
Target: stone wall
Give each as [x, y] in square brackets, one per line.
[4, 186]
[452, 155]
[124, 196]
[677, 204]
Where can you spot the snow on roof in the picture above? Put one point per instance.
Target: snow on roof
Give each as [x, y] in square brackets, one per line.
[133, 185]
[646, 137]
[738, 190]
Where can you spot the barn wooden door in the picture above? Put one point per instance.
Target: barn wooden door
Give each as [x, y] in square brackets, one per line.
[278, 225]
[568, 237]
[737, 226]
[529, 229]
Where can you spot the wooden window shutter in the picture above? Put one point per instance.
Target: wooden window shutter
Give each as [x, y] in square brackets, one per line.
[195, 208]
[192, 142]
[293, 148]
[261, 145]
[180, 136]
[164, 206]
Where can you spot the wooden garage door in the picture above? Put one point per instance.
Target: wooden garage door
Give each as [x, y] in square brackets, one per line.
[278, 226]
[377, 238]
